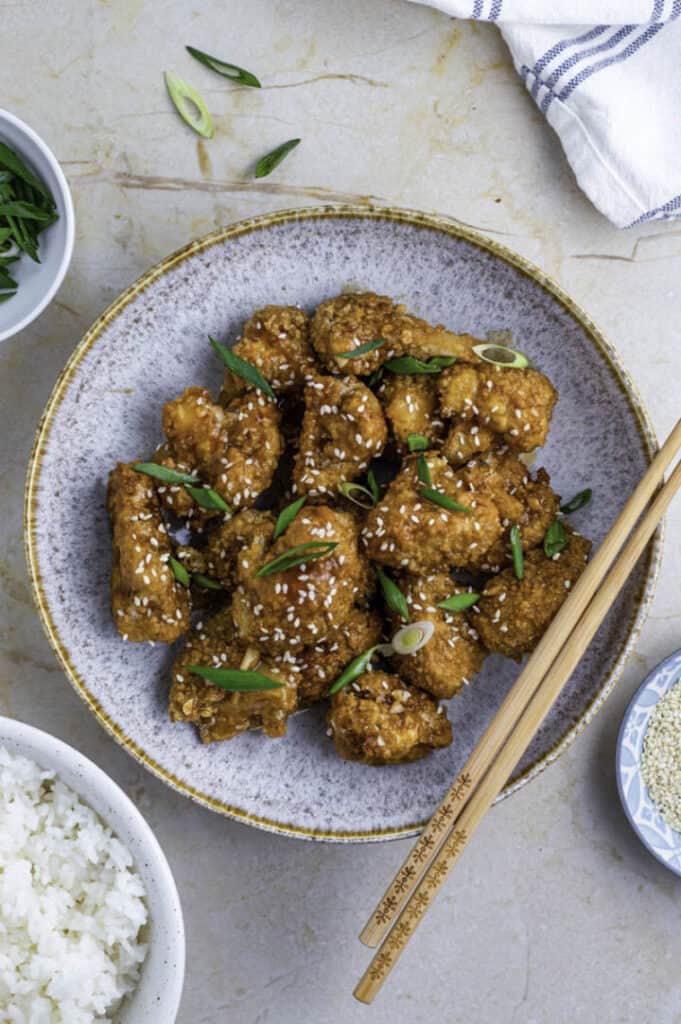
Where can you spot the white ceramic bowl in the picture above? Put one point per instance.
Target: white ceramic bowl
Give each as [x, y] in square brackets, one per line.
[157, 996]
[38, 282]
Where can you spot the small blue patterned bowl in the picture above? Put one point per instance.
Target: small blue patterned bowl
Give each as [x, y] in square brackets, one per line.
[651, 828]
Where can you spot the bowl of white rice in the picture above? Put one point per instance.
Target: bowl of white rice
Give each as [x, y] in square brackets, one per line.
[91, 925]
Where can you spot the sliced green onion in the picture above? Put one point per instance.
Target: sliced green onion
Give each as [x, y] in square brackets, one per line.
[417, 443]
[411, 639]
[394, 598]
[423, 471]
[376, 376]
[168, 476]
[236, 679]
[221, 67]
[438, 498]
[27, 211]
[373, 486]
[287, 515]
[241, 368]
[297, 555]
[184, 96]
[357, 494]
[517, 552]
[580, 499]
[361, 350]
[4, 296]
[354, 670]
[555, 539]
[499, 355]
[13, 162]
[410, 364]
[267, 163]
[206, 497]
[459, 602]
[207, 582]
[179, 571]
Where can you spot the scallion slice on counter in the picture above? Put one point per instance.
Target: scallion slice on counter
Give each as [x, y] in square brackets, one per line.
[443, 500]
[297, 556]
[287, 515]
[357, 494]
[235, 679]
[267, 163]
[189, 104]
[517, 552]
[242, 368]
[412, 638]
[179, 572]
[580, 499]
[417, 443]
[357, 667]
[423, 471]
[394, 598]
[410, 364]
[459, 602]
[373, 486]
[499, 355]
[555, 539]
[207, 498]
[361, 350]
[221, 67]
[163, 473]
[207, 582]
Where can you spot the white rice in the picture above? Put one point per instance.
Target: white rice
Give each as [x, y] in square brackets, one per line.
[71, 904]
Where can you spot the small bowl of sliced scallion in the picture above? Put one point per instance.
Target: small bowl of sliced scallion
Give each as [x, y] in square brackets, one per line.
[36, 225]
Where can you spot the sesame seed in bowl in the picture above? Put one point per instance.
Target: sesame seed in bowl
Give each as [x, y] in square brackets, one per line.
[649, 762]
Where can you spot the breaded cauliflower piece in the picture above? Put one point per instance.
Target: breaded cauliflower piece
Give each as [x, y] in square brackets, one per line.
[321, 664]
[146, 601]
[513, 614]
[222, 714]
[466, 440]
[343, 429]
[345, 322]
[521, 499]
[298, 607]
[234, 450]
[410, 404]
[233, 536]
[453, 655]
[408, 531]
[515, 404]
[380, 719]
[276, 341]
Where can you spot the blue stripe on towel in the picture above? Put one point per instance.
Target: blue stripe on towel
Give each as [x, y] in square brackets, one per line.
[496, 9]
[576, 58]
[477, 8]
[627, 52]
[672, 208]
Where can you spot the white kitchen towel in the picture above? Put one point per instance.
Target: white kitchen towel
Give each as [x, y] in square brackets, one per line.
[607, 75]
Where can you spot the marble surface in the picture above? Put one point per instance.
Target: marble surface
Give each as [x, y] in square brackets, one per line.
[555, 913]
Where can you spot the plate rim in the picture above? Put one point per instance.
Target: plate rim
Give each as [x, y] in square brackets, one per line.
[431, 221]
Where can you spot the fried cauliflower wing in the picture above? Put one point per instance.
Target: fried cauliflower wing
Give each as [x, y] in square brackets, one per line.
[345, 322]
[454, 654]
[146, 600]
[276, 341]
[513, 615]
[410, 404]
[222, 714]
[246, 529]
[294, 608]
[235, 450]
[408, 531]
[321, 664]
[380, 719]
[521, 500]
[343, 429]
[512, 403]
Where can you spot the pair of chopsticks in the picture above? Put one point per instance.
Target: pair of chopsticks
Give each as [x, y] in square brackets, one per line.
[508, 735]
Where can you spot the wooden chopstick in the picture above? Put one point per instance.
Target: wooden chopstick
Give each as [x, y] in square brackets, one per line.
[510, 753]
[517, 698]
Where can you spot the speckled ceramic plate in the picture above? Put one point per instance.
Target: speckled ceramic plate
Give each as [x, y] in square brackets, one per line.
[151, 343]
[663, 842]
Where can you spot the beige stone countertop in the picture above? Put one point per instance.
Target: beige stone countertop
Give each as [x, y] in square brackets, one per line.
[555, 913]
